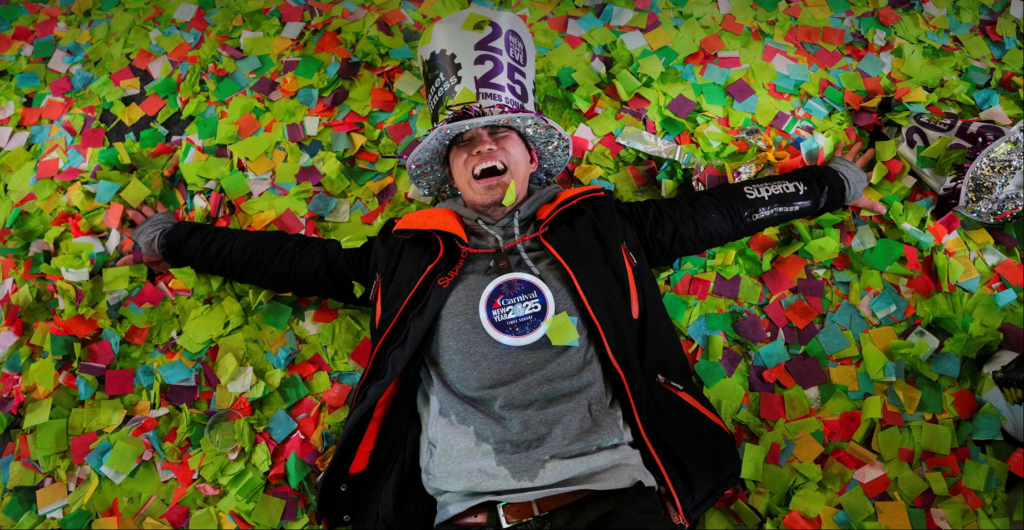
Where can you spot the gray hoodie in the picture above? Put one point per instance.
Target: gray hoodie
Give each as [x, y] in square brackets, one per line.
[516, 423]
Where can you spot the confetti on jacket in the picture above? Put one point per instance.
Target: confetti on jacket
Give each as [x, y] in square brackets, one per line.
[844, 351]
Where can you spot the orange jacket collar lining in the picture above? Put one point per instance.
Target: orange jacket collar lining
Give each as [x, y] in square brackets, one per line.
[446, 220]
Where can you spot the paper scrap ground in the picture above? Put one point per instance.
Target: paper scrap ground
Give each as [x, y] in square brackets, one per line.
[842, 350]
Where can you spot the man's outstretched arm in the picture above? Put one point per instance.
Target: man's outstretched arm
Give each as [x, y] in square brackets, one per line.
[281, 262]
[691, 223]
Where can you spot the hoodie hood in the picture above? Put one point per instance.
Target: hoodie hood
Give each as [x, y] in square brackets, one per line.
[539, 196]
[483, 232]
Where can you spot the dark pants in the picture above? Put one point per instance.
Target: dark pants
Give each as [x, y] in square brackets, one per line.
[627, 508]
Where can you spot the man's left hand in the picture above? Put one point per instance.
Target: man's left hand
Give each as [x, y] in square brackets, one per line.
[862, 161]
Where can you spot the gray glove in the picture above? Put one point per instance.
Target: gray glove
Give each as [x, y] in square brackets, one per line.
[149, 233]
[855, 177]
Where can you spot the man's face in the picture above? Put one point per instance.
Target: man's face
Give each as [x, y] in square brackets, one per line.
[483, 162]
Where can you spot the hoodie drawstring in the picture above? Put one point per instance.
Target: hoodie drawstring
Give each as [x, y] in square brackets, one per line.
[522, 252]
[501, 243]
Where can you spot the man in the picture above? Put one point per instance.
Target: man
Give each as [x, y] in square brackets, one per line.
[466, 414]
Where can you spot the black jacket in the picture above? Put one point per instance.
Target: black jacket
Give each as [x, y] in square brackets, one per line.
[607, 247]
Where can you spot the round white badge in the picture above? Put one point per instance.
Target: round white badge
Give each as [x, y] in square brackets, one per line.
[514, 309]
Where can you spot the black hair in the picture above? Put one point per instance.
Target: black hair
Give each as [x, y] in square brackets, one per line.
[451, 144]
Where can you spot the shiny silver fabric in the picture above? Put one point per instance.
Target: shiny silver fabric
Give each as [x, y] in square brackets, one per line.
[992, 191]
[551, 143]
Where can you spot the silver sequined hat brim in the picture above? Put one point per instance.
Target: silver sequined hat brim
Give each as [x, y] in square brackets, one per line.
[992, 186]
[551, 143]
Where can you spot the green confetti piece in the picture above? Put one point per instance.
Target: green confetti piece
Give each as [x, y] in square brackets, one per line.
[510, 194]
[561, 330]
[753, 462]
[134, 193]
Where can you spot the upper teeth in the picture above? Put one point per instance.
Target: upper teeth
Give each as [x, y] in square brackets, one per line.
[484, 165]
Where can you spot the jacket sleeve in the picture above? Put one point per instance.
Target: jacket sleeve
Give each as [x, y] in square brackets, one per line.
[279, 261]
[691, 223]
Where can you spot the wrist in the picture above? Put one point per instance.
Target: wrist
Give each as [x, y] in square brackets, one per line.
[854, 178]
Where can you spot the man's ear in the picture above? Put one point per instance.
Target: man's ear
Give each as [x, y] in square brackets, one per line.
[534, 161]
[448, 175]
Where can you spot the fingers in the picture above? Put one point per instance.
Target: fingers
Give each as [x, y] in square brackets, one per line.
[865, 203]
[160, 207]
[147, 211]
[156, 264]
[865, 159]
[854, 151]
[841, 147]
[136, 216]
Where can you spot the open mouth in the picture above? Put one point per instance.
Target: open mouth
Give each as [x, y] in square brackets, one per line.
[489, 169]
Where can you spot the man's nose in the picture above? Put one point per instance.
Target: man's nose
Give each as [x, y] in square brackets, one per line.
[484, 144]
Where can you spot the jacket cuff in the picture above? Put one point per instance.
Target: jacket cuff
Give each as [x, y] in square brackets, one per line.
[171, 242]
[853, 176]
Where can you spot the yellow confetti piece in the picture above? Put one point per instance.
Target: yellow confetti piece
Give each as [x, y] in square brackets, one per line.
[828, 518]
[917, 95]
[980, 236]
[105, 523]
[377, 185]
[133, 83]
[141, 408]
[261, 165]
[658, 38]
[807, 448]
[278, 156]
[892, 514]
[882, 337]
[969, 272]
[955, 245]
[357, 140]
[909, 395]
[588, 172]
[725, 258]
[262, 219]
[510, 194]
[861, 453]
[132, 113]
[846, 376]
[281, 44]
[152, 524]
[561, 330]
[122, 155]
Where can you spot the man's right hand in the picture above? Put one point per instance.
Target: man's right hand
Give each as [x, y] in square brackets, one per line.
[150, 226]
[862, 161]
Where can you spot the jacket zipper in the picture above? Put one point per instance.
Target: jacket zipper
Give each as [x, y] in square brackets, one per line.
[375, 296]
[622, 376]
[362, 381]
[677, 389]
[405, 331]
[634, 302]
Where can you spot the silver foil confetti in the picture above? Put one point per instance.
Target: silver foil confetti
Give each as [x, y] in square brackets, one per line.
[756, 138]
[651, 144]
[993, 190]
[748, 170]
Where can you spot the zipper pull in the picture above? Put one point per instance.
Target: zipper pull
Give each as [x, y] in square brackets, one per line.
[660, 378]
[373, 288]
[625, 249]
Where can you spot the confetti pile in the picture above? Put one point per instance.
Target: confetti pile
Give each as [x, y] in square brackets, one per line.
[844, 351]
